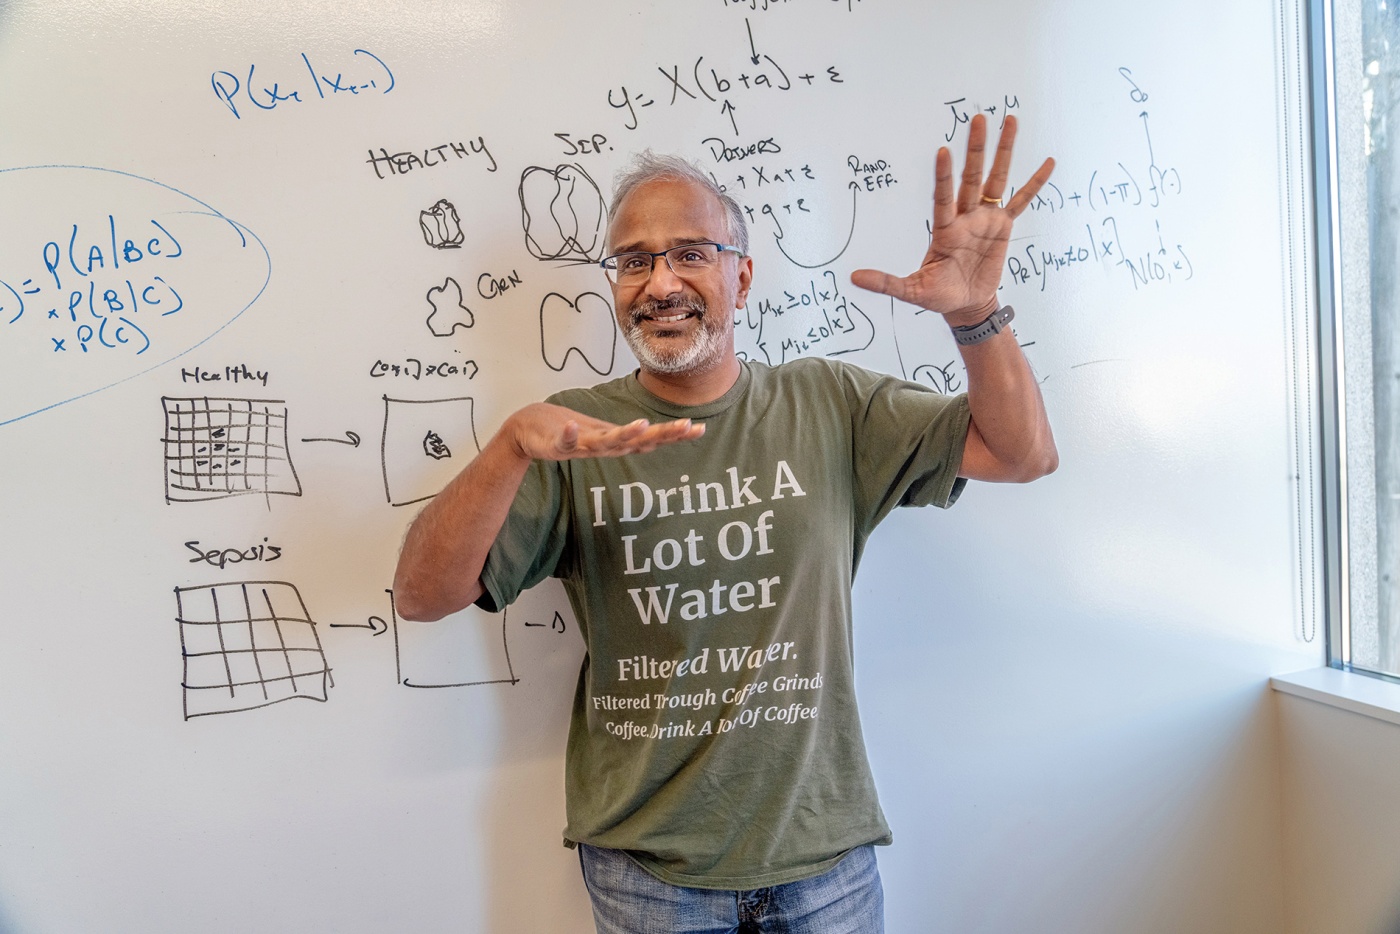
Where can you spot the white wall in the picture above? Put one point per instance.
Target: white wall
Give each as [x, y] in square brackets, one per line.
[1342, 822]
[1076, 774]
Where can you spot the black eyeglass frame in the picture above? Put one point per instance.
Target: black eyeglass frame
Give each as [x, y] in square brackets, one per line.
[611, 270]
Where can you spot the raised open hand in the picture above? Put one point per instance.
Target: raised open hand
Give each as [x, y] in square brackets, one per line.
[962, 268]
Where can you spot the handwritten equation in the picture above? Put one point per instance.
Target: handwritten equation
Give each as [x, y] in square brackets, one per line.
[1124, 227]
[716, 84]
[298, 82]
[96, 284]
[1103, 243]
[107, 275]
[817, 318]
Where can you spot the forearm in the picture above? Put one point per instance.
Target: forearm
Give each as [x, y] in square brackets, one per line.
[440, 563]
[445, 549]
[1009, 439]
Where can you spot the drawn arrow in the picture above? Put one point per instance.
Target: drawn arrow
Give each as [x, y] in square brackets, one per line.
[557, 624]
[1152, 160]
[778, 237]
[728, 108]
[374, 622]
[753, 52]
[350, 438]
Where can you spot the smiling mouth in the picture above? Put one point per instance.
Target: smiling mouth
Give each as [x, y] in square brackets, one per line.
[666, 313]
[671, 319]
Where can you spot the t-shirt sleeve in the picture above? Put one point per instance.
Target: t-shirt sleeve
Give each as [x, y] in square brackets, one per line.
[533, 541]
[907, 444]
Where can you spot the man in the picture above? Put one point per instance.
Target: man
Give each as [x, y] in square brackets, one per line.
[706, 516]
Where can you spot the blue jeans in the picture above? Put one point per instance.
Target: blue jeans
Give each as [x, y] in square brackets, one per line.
[846, 899]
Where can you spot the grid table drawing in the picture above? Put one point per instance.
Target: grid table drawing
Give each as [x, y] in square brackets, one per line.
[217, 448]
[248, 644]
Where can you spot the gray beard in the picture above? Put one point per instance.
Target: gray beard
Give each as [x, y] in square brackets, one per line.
[701, 349]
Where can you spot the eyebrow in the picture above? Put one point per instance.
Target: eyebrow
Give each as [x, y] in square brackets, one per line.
[636, 245]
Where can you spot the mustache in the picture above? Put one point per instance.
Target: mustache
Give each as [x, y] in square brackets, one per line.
[653, 307]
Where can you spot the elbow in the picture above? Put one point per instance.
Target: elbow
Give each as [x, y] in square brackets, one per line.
[414, 609]
[1043, 458]
[1042, 462]
[1014, 458]
[419, 604]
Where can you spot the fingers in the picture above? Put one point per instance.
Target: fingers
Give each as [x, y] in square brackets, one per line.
[604, 440]
[668, 433]
[973, 192]
[995, 186]
[944, 207]
[881, 282]
[1027, 192]
[970, 191]
[552, 432]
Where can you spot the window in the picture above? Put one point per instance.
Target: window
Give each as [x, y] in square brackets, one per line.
[1356, 94]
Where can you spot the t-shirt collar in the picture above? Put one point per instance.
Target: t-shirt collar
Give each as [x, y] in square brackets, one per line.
[650, 400]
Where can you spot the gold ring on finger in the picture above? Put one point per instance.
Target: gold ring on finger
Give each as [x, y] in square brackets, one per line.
[987, 199]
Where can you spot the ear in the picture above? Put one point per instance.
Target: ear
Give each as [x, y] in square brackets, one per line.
[745, 280]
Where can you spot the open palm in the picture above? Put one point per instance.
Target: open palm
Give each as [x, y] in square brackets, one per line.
[959, 275]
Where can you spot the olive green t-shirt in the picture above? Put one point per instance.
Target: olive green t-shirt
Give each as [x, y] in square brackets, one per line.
[714, 733]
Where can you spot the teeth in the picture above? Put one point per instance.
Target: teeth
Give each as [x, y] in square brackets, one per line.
[671, 319]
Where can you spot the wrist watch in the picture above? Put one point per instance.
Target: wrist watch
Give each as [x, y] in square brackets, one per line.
[990, 326]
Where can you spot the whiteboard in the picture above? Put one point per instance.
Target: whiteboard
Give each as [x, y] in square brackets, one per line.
[268, 277]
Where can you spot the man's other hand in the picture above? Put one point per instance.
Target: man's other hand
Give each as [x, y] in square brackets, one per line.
[551, 432]
[959, 275]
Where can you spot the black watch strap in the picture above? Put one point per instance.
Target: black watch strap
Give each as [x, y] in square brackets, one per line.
[990, 326]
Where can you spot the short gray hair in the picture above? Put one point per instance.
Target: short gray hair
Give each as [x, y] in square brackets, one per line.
[648, 166]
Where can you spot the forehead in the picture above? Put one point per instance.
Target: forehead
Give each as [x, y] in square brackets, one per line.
[664, 212]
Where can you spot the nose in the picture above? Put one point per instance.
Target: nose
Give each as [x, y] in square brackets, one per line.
[663, 281]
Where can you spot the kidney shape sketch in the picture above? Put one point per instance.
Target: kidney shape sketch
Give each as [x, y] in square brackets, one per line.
[105, 275]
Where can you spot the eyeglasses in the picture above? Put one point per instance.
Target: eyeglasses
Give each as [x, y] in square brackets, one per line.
[687, 261]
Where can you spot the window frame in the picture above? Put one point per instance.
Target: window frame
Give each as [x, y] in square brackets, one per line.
[1346, 388]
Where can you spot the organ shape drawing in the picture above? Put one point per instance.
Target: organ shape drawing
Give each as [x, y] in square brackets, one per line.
[584, 326]
[217, 448]
[248, 644]
[465, 649]
[563, 213]
[435, 447]
[450, 310]
[442, 228]
[426, 442]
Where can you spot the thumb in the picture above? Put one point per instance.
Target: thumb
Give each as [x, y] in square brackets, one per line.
[881, 282]
[568, 438]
